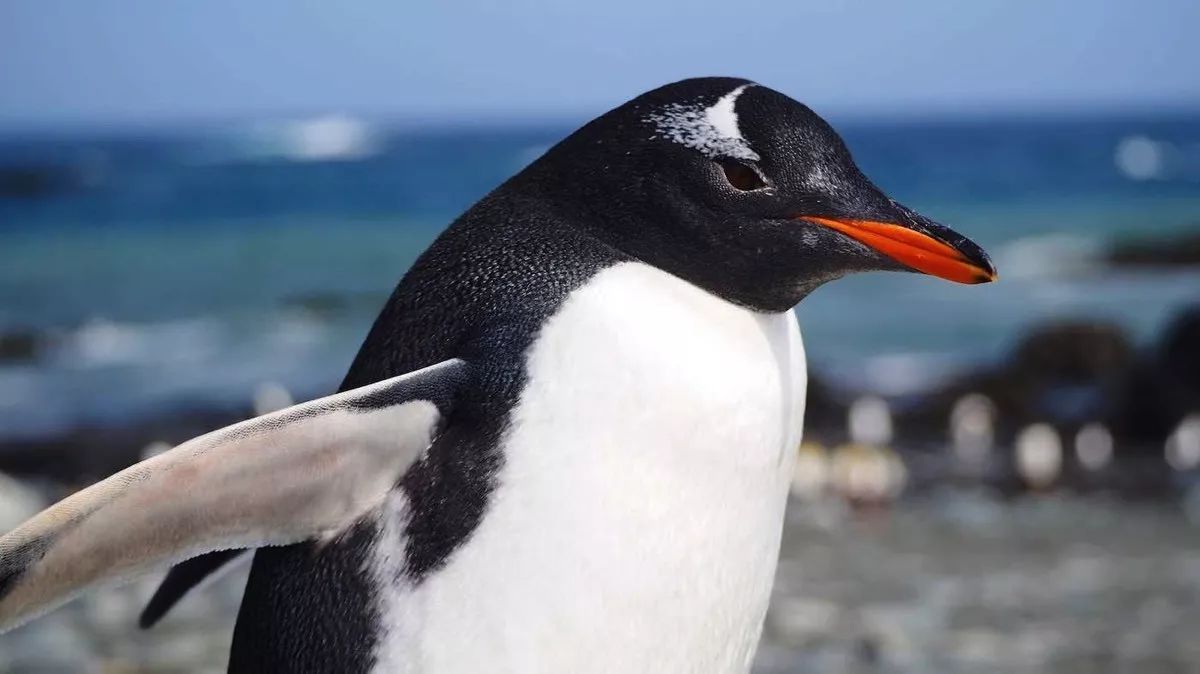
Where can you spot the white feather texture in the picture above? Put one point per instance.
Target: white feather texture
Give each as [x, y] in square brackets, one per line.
[636, 522]
[712, 130]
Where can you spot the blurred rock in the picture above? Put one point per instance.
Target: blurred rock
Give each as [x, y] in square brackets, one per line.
[824, 411]
[29, 182]
[1073, 350]
[1166, 387]
[85, 455]
[18, 346]
[327, 305]
[1068, 372]
[322, 304]
[1085, 379]
[1162, 251]
[1179, 350]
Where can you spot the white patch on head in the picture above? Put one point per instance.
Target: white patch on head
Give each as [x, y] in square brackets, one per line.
[712, 130]
[722, 116]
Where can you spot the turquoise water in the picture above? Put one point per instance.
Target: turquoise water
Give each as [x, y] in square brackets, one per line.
[187, 268]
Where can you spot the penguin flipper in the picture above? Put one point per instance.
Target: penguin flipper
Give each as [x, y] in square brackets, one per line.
[183, 578]
[307, 472]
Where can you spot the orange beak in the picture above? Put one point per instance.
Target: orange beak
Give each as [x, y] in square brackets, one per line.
[916, 250]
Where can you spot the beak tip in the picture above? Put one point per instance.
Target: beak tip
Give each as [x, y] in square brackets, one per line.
[985, 273]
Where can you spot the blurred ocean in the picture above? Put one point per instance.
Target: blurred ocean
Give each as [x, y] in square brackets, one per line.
[183, 269]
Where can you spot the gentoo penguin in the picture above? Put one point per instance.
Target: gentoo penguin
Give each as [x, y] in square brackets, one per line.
[566, 443]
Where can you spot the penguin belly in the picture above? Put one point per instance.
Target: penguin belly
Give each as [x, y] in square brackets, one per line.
[637, 511]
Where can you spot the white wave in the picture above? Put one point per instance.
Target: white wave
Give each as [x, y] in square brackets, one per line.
[296, 331]
[1049, 256]
[103, 343]
[329, 138]
[325, 138]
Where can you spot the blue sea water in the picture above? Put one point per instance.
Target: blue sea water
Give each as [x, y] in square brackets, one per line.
[186, 268]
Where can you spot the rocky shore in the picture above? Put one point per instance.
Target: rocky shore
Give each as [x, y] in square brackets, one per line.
[953, 581]
[1037, 514]
[1070, 375]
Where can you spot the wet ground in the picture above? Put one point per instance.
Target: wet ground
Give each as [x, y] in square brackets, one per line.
[961, 582]
[951, 581]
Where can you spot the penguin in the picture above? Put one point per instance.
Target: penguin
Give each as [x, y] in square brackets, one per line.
[566, 442]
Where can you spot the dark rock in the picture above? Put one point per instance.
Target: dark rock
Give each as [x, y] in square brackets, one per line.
[328, 304]
[28, 182]
[1167, 387]
[84, 455]
[1069, 372]
[1073, 351]
[317, 303]
[1169, 251]
[824, 411]
[1179, 354]
[18, 346]
[1072, 373]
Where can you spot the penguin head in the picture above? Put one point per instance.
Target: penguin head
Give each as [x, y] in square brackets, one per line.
[743, 191]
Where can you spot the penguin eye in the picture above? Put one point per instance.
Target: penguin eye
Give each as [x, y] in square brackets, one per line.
[742, 176]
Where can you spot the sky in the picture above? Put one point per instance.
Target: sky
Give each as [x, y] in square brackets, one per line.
[166, 61]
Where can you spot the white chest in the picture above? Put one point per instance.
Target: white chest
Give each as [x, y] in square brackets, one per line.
[636, 522]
